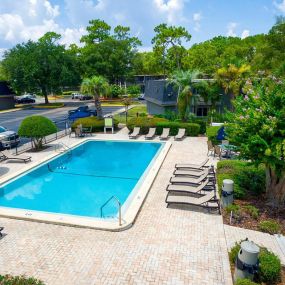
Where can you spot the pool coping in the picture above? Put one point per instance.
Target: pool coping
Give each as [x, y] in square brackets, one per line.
[130, 214]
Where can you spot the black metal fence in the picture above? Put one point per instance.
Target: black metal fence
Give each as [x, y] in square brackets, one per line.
[64, 130]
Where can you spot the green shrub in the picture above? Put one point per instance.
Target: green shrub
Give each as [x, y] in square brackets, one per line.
[36, 128]
[246, 177]
[202, 123]
[116, 91]
[212, 133]
[245, 282]
[134, 90]
[191, 129]
[269, 267]
[93, 122]
[232, 208]
[269, 226]
[234, 252]
[19, 280]
[144, 123]
[253, 211]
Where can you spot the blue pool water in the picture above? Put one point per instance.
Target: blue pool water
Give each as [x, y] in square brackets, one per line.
[79, 182]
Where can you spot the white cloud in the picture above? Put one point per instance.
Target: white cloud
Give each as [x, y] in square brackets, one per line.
[17, 27]
[280, 6]
[245, 34]
[231, 29]
[173, 9]
[197, 17]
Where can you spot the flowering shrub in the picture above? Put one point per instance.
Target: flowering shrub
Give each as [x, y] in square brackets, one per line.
[258, 126]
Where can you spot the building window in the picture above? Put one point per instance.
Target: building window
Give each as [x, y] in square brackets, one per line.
[202, 111]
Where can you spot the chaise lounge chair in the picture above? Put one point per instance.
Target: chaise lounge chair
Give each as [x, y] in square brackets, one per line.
[1, 229]
[180, 135]
[190, 189]
[197, 167]
[135, 133]
[208, 201]
[165, 134]
[8, 156]
[151, 134]
[192, 173]
[188, 180]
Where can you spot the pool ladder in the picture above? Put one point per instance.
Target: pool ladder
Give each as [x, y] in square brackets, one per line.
[119, 208]
[62, 147]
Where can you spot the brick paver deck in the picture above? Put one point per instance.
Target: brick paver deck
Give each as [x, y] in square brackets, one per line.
[164, 246]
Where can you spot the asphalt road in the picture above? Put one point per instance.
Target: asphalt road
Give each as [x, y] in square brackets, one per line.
[12, 120]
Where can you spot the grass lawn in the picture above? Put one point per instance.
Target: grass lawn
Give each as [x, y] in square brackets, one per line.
[131, 113]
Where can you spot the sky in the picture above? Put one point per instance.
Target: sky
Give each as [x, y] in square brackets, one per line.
[21, 20]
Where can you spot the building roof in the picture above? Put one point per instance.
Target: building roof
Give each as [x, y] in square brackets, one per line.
[5, 89]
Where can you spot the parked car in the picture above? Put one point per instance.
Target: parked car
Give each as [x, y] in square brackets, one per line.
[85, 97]
[8, 138]
[81, 112]
[29, 95]
[141, 97]
[76, 95]
[24, 100]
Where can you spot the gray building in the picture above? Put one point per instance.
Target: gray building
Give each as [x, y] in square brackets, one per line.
[6, 96]
[162, 97]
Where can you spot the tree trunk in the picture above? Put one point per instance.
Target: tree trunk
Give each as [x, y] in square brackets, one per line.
[44, 91]
[98, 105]
[275, 188]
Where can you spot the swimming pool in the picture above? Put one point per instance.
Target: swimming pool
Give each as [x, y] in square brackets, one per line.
[81, 180]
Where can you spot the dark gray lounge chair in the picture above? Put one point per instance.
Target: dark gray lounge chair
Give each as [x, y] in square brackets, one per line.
[1, 229]
[8, 156]
[208, 201]
[190, 189]
[188, 180]
[199, 166]
[190, 173]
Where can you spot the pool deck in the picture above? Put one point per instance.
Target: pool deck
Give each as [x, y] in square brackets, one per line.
[164, 246]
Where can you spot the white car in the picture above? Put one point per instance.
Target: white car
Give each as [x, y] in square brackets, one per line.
[8, 139]
[76, 96]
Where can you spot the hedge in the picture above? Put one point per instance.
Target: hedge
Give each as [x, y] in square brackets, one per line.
[191, 128]
[160, 123]
[144, 123]
[19, 280]
[212, 133]
[246, 177]
[94, 123]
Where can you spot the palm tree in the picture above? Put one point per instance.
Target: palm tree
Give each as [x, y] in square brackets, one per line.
[232, 78]
[183, 80]
[96, 85]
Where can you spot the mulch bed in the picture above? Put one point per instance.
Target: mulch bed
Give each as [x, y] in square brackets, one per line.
[265, 213]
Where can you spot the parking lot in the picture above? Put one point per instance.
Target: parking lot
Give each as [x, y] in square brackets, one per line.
[12, 120]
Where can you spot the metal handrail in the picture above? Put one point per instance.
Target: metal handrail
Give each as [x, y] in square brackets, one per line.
[63, 145]
[119, 207]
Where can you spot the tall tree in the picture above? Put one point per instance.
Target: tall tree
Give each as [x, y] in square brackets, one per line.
[169, 39]
[107, 53]
[183, 81]
[258, 126]
[43, 65]
[96, 85]
[232, 79]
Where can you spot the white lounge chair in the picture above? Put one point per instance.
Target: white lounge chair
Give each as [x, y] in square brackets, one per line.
[180, 135]
[165, 134]
[188, 180]
[7, 156]
[135, 133]
[151, 134]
